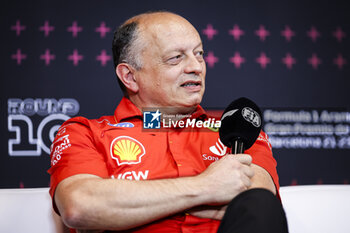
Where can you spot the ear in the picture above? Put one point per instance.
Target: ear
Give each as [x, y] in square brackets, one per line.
[126, 75]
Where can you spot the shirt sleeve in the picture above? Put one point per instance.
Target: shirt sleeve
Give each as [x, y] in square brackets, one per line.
[73, 152]
[261, 153]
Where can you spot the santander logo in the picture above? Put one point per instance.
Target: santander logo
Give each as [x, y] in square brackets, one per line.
[219, 148]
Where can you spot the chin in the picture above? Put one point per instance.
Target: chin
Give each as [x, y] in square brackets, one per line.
[189, 101]
[193, 102]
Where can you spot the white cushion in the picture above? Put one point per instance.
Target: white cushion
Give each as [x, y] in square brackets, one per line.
[309, 209]
[317, 208]
[29, 211]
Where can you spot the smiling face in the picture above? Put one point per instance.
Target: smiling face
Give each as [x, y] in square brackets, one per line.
[173, 69]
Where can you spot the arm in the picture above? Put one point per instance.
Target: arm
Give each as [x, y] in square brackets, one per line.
[89, 202]
[261, 179]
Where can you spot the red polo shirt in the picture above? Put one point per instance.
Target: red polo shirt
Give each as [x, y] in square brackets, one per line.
[118, 147]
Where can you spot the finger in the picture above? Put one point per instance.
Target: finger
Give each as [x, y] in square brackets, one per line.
[244, 158]
[246, 181]
[248, 171]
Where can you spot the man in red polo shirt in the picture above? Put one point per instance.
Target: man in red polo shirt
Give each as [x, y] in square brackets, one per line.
[110, 174]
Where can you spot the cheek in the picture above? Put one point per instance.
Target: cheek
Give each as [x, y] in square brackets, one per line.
[157, 83]
[204, 72]
[171, 82]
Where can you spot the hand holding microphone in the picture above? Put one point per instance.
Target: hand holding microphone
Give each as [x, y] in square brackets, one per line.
[240, 127]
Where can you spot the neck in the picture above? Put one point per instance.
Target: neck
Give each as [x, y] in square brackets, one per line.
[177, 111]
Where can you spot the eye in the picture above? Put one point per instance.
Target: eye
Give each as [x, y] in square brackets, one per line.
[175, 59]
[199, 54]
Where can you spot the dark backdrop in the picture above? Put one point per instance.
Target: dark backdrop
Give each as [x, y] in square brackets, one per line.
[306, 71]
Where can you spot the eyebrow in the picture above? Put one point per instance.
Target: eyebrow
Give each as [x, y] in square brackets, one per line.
[181, 49]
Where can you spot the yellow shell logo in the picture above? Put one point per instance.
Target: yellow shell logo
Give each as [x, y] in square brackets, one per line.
[127, 150]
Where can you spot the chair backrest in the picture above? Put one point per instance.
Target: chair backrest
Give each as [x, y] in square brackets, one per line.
[317, 208]
[29, 211]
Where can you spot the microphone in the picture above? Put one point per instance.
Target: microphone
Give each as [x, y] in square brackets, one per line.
[240, 125]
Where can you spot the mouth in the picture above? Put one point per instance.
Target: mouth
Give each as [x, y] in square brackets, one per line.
[191, 84]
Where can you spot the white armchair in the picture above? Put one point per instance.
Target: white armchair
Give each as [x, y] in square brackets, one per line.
[309, 209]
[28, 211]
[317, 208]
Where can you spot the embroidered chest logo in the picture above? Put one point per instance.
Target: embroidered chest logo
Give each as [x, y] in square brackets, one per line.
[127, 150]
[219, 148]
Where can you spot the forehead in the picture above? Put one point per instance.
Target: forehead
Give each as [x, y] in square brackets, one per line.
[168, 31]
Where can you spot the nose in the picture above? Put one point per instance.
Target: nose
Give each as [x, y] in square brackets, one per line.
[194, 65]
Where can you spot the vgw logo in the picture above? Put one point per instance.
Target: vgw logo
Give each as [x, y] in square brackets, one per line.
[151, 120]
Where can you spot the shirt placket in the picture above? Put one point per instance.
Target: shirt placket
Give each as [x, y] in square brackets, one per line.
[175, 149]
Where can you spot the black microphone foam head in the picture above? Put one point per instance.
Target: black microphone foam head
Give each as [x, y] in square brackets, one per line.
[241, 120]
